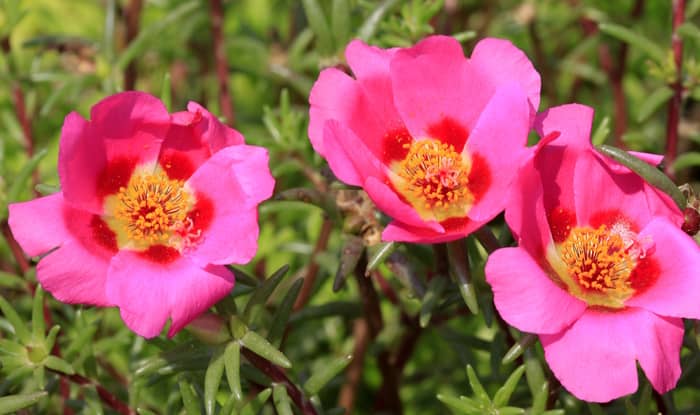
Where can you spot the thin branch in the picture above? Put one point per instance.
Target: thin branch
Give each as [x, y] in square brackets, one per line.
[277, 375]
[313, 267]
[674, 107]
[132, 18]
[105, 396]
[16, 250]
[348, 391]
[216, 10]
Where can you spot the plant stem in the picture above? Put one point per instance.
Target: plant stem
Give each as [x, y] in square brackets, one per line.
[674, 107]
[277, 375]
[216, 10]
[313, 267]
[106, 396]
[132, 17]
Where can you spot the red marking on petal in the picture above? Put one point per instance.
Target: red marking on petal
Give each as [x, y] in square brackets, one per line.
[176, 164]
[116, 174]
[548, 139]
[479, 177]
[161, 254]
[196, 117]
[561, 222]
[202, 214]
[396, 145]
[644, 274]
[455, 224]
[610, 218]
[449, 131]
[103, 235]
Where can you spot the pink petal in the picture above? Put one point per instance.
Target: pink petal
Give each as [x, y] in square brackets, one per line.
[334, 96]
[675, 292]
[658, 202]
[213, 131]
[566, 132]
[433, 81]
[132, 124]
[525, 212]
[74, 274]
[624, 193]
[388, 202]
[500, 136]
[235, 180]
[498, 61]
[365, 107]
[658, 351]
[650, 158]
[81, 159]
[595, 358]
[147, 293]
[367, 61]
[348, 157]
[572, 121]
[398, 231]
[38, 225]
[526, 297]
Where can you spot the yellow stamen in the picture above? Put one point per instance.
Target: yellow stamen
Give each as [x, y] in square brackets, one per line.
[151, 208]
[596, 264]
[434, 178]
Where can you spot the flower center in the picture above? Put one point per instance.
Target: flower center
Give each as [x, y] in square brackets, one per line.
[434, 178]
[596, 265]
[597, 259]
[151, 209]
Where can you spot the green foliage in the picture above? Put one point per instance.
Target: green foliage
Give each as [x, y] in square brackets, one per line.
[345, 320]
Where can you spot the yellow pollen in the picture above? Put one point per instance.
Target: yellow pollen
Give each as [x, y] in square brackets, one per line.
[434, 178]
[152, 207]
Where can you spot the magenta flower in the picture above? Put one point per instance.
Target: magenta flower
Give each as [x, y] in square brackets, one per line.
[603, 273]
[152, 207]
[434, 138]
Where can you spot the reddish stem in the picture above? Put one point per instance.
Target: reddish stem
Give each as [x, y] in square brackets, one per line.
[25, 123]
[217, 18]
[277, 375]
[674, 107]
[105, 396]
[313, 267]
[132, 17]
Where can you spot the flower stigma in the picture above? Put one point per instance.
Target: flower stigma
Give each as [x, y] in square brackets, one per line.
[596, 265]
[434, 178]
[152, 209]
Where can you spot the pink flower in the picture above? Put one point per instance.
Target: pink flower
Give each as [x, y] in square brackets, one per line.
[152, 207]
[603, 273]
[434, 138]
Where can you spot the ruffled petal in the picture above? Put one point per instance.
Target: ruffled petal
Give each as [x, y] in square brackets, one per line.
[74, 274]
[676, 260]
[433, 81]
[81, 160]
[500, 62]
[348, 156]
[132, 124]
[623, 191]
[75, 269]
[148, 293]
[398, 231]
[594, 359]
[234, 181]
[572, 121]
[38, 225]
[526, 297]
[658, 350]
[368, 62]
[213, 131]
[500, 137]
[388, 202]
[525, 212]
